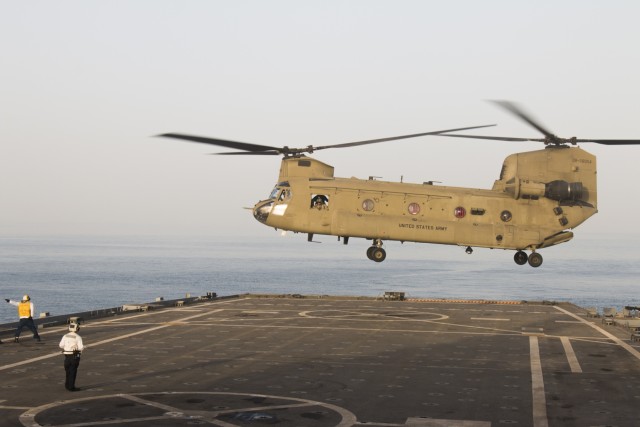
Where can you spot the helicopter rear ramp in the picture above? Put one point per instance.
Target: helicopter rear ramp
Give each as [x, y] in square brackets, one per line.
[321, 361]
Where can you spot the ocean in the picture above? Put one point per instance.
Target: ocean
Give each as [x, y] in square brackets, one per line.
[71, 274]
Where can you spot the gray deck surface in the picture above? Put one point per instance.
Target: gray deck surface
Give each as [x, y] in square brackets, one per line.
[330, 362]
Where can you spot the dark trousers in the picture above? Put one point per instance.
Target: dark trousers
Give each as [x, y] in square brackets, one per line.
[28, 323]
[71, 363]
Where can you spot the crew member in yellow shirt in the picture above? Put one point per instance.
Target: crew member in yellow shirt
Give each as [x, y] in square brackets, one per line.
[25, 312]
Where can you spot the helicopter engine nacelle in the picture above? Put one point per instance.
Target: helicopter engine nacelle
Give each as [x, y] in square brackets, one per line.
[563, 174]
[563, 190]
[518, 188]
[558, 190]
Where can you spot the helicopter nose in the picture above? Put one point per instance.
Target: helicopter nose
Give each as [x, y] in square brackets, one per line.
[262, 210]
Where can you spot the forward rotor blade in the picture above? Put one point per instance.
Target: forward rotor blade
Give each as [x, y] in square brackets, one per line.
[249, 153]
[222, 142]
[256, 149]
[513, 109]
[393, 138]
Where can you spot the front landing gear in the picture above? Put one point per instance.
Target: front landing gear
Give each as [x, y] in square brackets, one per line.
[521, 258]
[375, 252]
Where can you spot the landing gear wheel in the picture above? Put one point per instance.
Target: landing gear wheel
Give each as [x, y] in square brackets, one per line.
[378, 254]
[535, 260]
[370, 252]
[521, 258]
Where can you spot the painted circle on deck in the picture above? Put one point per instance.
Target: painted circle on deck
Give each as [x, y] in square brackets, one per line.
[186, 408]
[375, 314]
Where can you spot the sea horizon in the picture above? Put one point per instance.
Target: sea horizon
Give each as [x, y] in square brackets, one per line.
[67, 274]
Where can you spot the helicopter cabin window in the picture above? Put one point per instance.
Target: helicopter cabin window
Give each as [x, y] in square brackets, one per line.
[477, 211]
[304, 163]
[368, 205]
[413, 208]
[319, 201]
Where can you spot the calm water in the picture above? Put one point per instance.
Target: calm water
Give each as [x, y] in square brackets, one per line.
[65, 275]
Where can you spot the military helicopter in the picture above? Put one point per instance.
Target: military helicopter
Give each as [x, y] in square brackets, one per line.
[539, 197]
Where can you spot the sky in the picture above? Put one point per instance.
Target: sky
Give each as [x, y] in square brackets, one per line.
[86, 85]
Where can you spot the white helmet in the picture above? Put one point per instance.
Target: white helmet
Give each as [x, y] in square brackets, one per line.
[74, 327]
[26, 298]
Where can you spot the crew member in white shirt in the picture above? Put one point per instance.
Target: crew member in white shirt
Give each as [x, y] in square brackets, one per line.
[72, 346]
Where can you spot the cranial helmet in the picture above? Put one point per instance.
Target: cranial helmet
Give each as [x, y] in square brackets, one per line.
[26, 298]
[74, 327]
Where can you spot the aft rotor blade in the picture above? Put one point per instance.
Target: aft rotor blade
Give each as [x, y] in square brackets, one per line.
[612, 141]
[393, 138]
[495, 138]
[513, 109]
[222, 142]
[558, 140]
[549, 138]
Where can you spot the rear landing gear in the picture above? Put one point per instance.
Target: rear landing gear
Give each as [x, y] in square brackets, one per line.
[534, 260]
[375, 252]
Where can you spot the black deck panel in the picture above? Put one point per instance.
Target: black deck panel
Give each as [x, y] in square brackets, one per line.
[331, 362]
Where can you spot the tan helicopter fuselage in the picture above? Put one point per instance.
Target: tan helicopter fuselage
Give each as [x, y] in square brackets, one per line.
[539, 197]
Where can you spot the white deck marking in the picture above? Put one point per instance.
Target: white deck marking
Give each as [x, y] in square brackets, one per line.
[165, 325]
[21, 408]
[426, 422]
[537, 386]
[491, 318]
[121, 337]
[612, 337]
[27, 418]
[110, 422]
[431, 422]
[571, 355]
[260, 312]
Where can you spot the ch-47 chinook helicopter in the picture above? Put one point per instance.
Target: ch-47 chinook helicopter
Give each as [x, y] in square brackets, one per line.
[539, 197]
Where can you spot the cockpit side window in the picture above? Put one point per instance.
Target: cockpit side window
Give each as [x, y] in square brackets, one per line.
[278, 187]
[274, 193]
